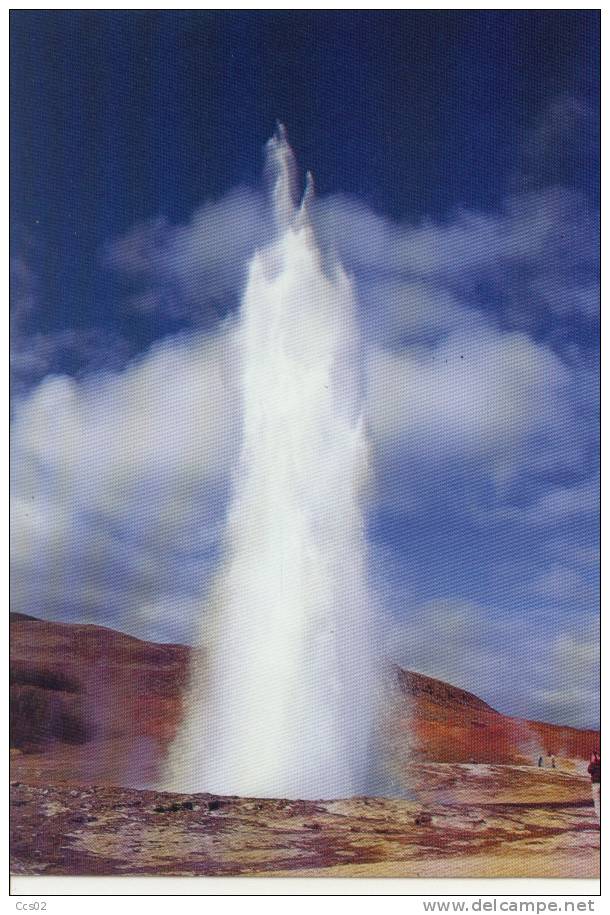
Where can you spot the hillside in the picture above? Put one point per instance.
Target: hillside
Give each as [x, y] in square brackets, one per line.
[93, 710]
[92, 704]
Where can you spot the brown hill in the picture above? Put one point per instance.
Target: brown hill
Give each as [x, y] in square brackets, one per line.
[452, 725]
[92, 704]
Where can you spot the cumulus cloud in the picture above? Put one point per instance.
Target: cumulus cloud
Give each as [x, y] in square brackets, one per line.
[493, 399]
[448, 309]
[398, 312]
[562, 584]
[555, 504]
[435, 301]
[118, 483]
[521, 666]
[23, 291]
[562, 502]
[539, 232]
[571, 693]
[539, 251]
[186, 270]
[35, 353]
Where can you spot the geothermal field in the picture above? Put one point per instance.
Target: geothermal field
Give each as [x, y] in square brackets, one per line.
[469, 798]
[283, 741]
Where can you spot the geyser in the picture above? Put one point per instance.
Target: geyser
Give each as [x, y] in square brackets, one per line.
[283, 693]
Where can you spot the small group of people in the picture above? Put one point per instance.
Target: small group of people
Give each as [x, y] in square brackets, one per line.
[594, 769]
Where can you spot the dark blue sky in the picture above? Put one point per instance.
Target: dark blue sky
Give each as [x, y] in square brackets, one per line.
[456, 161]
[122, 116]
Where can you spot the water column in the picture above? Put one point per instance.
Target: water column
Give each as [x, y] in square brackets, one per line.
[283, 695]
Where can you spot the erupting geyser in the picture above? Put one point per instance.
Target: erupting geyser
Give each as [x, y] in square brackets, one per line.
[283, 696]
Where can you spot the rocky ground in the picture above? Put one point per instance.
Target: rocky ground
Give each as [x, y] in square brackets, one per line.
[93, 709]
[468, 820]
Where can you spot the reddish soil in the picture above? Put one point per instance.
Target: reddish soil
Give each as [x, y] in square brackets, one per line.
[89, 703]
[452, 725]
[93, 710]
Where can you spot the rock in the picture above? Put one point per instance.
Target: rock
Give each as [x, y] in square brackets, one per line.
[423, 819]
[173, 808]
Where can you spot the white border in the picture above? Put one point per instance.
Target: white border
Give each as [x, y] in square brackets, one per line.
[69, 889]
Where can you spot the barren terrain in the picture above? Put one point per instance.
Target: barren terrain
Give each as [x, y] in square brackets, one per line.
[92, 712]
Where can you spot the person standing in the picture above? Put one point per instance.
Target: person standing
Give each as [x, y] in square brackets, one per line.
[595, 771]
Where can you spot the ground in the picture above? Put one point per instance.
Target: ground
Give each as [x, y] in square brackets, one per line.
[93, 709]
[466, 820]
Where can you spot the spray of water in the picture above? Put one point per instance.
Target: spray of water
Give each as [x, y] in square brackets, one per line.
[283, 694]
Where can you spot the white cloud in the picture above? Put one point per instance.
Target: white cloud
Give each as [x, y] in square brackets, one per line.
[559, 503]
[566, 502]
[563, 585]
[522, 667]
[445, 378]
[479, 395]
[553, 226]
[182, 268]
[395, 311]
[571, 691]
[564, 142]
[117, 485]
[539, 250]
[564, 295]
[35, 355]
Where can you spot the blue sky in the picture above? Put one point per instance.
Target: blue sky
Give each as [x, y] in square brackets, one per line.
[456, 163]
